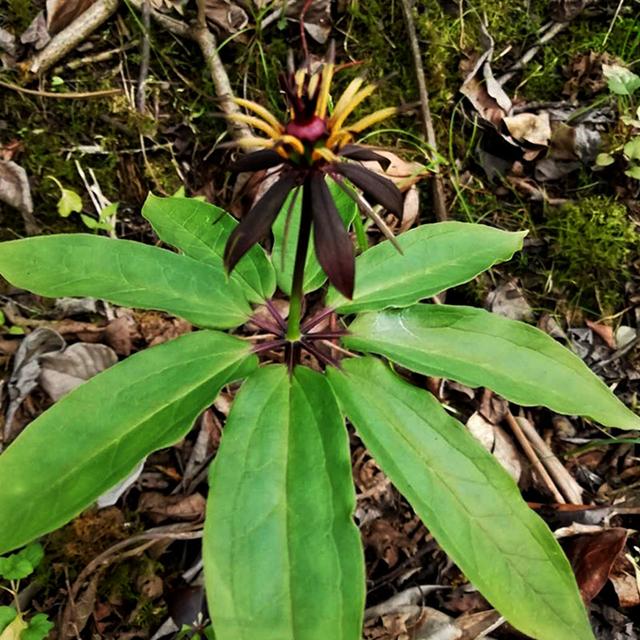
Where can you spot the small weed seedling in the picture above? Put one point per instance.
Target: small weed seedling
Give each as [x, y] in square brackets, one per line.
[283, 558]
[14, 623]
[625, 85]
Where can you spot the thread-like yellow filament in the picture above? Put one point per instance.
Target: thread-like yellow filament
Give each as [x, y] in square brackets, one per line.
[346, 96]
[371, 119]
[325, 90]
[322, 153]
[259, 110]
[251, 142]
[291, 141]
[313, 84]
[256, 123]
[339, 138]
[339, 117]
[299, 81]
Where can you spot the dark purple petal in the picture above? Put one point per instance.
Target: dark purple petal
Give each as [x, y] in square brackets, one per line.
[334, 249]
[357, 152]
[264, 159]
[256, 224]
[376, 188]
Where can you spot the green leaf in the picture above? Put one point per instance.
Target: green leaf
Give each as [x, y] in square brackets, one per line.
[14, 630]
[621, 80]
[97, 434]
[436, 257]
[201, 230]
[482, 349]
[632, 149]
[69, 202]
[633, 172]
[22, 564]
[39, 627]
[7, 616]
[604, 159]
[125, 273]
[282, 556]
[468, 502]
[314, 276]
[95, 225]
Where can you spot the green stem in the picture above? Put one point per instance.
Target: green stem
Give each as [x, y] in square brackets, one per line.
[297, 285]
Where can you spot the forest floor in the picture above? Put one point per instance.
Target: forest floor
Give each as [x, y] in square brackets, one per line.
[535, 107]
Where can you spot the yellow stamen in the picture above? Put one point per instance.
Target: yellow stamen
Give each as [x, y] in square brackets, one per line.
[258, 110]
[256, 123]
[325, 89]
[339, 138]
[340, 116]
[372, 118]
[251, 142]
[299, 80]
[291, 141]
[324, 154]
[313, 84]
[347, 96]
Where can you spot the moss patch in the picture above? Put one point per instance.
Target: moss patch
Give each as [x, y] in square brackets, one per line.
[591, 243]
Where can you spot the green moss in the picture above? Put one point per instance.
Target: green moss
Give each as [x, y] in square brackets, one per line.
[591, 243]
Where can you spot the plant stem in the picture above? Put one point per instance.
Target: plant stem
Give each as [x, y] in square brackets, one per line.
[297, 285]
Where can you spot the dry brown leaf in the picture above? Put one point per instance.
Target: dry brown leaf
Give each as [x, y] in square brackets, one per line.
[61, 13]
[16, 192]
[403, 173]
[508, 300]
[482, 89]
[592, 557]
[604, 331]
[160, 507]
[531, 128]
[157, 328]
[625, 582]
[496, 441]
[62, 372]
[37, 33]
[226, 15]
[411, 209]
[317, 20]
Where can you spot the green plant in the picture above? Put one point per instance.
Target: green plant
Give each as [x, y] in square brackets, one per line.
[592, 242]
[283, 558]
[623, 83]
[14, 623]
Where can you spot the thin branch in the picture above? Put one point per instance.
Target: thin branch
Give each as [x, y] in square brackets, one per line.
[533, 458]
[145, 54]
[439, 200]
[564, 480]
[69, 95]
[69, 38]
[209, 47]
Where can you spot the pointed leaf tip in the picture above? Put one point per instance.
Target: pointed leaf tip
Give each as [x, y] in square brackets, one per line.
[257, 161]
[256, 224]
[376, 188]
[332, 243]
[364, 154]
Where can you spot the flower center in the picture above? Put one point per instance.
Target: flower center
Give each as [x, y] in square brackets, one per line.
[310, 131]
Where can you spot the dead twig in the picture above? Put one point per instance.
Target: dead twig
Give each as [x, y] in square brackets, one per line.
[145, 54]
[533, 458]
[209, 47]
[118, 552]
[546, 33]
[439, 201]
[564, 480]
[69, 95]
[68, 39]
